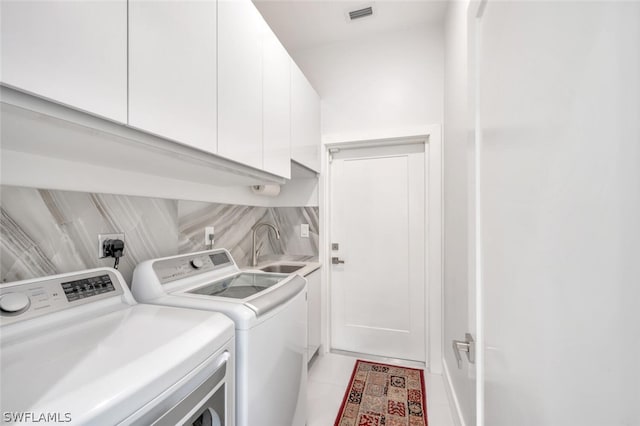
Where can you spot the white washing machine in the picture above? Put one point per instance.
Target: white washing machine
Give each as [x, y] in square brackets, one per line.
[76, 348]
[270, 315]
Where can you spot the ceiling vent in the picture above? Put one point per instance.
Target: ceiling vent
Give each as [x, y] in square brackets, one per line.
[361, 13]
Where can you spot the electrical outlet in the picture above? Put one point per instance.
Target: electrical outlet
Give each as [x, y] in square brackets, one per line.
[101, 240]
[304, 230]
[209, 235]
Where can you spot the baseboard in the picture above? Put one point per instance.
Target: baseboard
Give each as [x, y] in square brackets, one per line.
[458, 418]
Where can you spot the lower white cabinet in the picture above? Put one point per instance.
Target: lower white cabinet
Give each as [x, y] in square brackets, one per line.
[314, 317]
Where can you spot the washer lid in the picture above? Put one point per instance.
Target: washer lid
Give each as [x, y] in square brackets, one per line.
[246, 312]
[241, 285]
[104, 369]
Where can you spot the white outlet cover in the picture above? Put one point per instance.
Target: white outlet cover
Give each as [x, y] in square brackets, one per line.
[208, 230]
[304, 230]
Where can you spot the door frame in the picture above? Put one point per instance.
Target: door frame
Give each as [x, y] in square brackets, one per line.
[475, 12]
[431, 137]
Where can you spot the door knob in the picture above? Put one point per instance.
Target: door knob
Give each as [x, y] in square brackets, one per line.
[468, 346]
[336, 260]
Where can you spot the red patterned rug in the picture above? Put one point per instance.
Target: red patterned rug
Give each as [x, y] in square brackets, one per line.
[383, 395]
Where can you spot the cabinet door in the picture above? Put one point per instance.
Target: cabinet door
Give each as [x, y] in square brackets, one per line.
[240, 33]
[305, 121]
[276, 91]
[172, 70]
[314, 317]
[71, 52]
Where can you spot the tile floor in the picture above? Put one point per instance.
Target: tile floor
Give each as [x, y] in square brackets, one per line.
[328, 379]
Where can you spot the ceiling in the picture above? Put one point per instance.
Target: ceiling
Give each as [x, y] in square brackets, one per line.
[303, 24]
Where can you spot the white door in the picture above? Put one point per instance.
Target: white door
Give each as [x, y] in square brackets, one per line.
[378, 222]
[560, 202]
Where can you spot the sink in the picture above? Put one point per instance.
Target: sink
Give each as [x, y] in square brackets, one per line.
[282, 268]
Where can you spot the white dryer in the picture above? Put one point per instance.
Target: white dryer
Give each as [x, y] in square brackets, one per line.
[76, 348]
[270, 315]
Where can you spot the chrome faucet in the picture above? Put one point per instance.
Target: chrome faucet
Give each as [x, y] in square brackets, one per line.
[254, 251]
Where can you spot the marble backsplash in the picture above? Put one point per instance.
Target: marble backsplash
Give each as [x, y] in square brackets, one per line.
[233, 225]
[44, 232]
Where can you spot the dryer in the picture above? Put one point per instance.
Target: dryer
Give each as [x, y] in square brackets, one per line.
[270, 316]
[76, 348]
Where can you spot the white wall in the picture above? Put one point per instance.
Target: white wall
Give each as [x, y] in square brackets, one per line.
[378, 86]
[458, 208]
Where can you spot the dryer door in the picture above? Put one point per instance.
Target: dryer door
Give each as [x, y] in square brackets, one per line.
[211, 413]
[206, 396]
[209, 404]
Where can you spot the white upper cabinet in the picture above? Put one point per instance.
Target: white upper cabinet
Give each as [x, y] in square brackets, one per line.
[71, 52]
[240, 34]
[208, 74]
[305, 121]
[276, 137]
[172, 70]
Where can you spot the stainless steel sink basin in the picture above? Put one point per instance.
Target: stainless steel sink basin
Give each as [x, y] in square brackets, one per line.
[282, 268]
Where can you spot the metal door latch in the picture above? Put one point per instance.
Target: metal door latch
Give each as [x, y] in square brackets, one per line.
[336, 260]
[468, 346]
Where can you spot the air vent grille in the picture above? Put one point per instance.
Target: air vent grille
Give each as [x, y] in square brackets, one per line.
[361, 13]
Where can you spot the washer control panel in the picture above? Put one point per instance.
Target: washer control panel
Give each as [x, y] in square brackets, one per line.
[176, 268]
[27, 299]
[87, 287]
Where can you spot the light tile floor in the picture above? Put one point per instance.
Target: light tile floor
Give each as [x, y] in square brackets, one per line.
[328, 379]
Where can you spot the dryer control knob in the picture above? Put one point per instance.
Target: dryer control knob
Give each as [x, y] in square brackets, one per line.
[197, 263]
[14, 303]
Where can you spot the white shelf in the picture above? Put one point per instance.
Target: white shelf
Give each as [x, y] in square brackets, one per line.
[37, 127]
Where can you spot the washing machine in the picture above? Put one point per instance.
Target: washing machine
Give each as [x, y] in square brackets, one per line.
[76, 348]
[270, 316]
